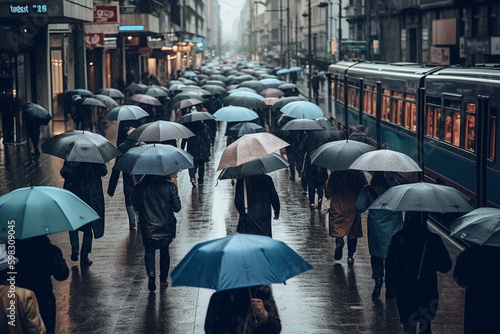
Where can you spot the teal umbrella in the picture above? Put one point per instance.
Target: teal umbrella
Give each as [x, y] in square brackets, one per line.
[302, 109]
[235, 114]
[33, 211]
[236, 261]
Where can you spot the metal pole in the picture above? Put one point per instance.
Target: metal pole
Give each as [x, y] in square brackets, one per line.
[288, 32]
[281, 32]
[309, 56]
[340, 27]
[481, 148]
[421, 130]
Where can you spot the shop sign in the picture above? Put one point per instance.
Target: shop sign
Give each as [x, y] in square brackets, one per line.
[440, 56]
[95, 40]
[106, 13]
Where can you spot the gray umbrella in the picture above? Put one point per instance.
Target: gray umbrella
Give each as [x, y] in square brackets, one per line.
[480, 226]
[258, 166]
[422, 196]
[195, 116]
[126, 113]
[339, 155]
[160, 131]
[385, 161]
[244, 128]
[90, 101]
[301, 124]
[111, 92]
[108, 101]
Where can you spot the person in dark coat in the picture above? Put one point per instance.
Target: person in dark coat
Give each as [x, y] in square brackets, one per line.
[33, 132]
[84, 179]
[261, 197]
[199, 147]
[156, 200]
[39, 261]
[7, 109]
[316, 177]
[233, 311]
[414, 257]
[478, 271]
[381, 226]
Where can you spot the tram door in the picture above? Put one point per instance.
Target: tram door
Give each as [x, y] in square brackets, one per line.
[58, 82]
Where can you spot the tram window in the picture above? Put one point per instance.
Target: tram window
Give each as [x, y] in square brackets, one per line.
[452, 127]
[354, 97]
[470, 127]
[386, 103]
[340, 92]
[396, 108]
[433, 120]
[410, 112]
[369, 100]
[493, 139]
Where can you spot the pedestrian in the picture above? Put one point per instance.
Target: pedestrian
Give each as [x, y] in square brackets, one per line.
[293, 77]
[315, 85]
[414, 257]
[22, 316]
[199, 147]
[316, 177]
[7, 109]
[33, 132]
[243, 310]
[84, 180]
[381, 226]
[39, 261]
[359, 134]
[156, 200]
[343, 189]
[254, 197]
[477, 269]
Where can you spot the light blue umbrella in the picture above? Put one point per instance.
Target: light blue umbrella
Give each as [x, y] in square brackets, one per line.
[283, 71]
[295, 69]
[302, 109]
[271, 82]
[239, 260]
[33, 211]
[235, 114]
[246, 94]
[126, 113]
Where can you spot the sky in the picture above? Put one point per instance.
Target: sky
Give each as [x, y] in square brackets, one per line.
[230, 13]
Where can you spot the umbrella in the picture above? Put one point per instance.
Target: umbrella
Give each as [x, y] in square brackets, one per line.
[111, 92]
[235, 114]
[81, 92]
[196, 89]
[245, 94]
[302, 109]
[81, 146]
[300, 124]
[242, 89]
[286, 100]
[261, 165]
[422, 196]
[136, 89]
[43, 210]
[254, 84]
[108, 101]
[480, 226]
[249, 147]
[271, 92]
[339, 155]
[155, 92]
[90, 101]
[295, 69]
[271, 82]
[185, 103]
[189, 74]
[216, 90]
[195, 116]
[37, 113]
[385, 161]
[236, 261]
[145, 99]
[177, 86]
[126, 113]
[270, 101]
[160, 131]
[282, 71]
[154, 159]
[245, 128]
[287, 85]
[216, 83]
[186, 95]
[244, 101]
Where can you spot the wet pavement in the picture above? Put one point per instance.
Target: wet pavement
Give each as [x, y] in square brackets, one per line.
[112, 295]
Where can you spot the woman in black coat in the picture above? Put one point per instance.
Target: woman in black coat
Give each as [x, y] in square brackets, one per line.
[413, 260]
[156, 200]
[199, 147]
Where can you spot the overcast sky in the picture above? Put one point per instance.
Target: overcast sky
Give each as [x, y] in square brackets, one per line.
[230, 12]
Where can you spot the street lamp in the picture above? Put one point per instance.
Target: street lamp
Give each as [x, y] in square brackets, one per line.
[325, 5]
[309, 55]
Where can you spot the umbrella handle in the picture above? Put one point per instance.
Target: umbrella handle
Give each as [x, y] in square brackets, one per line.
[245, 199]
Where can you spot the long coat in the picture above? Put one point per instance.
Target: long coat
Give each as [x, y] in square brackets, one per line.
[381, 224]
[478, 270]
[28, 319]
[84, 180]
[343, 189]
[199, 145]
[128, 182]
[416, 299]
[261, 196]
[156, 200]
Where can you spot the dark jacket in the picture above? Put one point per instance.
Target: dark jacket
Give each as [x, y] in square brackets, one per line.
[84, 179]
[199, 145]
[128, 183]
[261, 196]
[228, 311]
[478, 271]
[156, 199]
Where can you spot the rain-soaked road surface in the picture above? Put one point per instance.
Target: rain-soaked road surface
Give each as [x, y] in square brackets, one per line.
[112, 295]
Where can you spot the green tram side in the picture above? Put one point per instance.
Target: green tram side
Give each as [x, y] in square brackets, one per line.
[437, 111]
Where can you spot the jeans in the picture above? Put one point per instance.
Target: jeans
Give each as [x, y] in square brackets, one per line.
[87, 239]
[149, 259]
[377, 267]
[425, 328]
[200, 166]
[131, 214]
[319, 189]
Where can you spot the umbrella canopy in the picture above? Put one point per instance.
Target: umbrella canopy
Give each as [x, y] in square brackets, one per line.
[186, 103]
[244, 101]
[258, 166]
[155, 92]
[145, 99]
[126, 113]
[36, 113]
[109, 102]
[287, 85]
[189, 74]
[300, 124]
[195, 116]
[154, 159]
[270, 101]
[302, 109]
[216, 90]
[245, 94]
[271, 92]
[186, 95]
[43, 210]
[480, 226]
[245, 128]
[90, 101]
[422, 196]
[295, 69]
[81, 146]
[236, 261]
[242, 89]
[286, 100]
[282, 71]
[216, 83]
[177, 86]
[249, 147]
[254, 84]
[196, 89]
[339, 155]
[111, 92]
[136, 89]
[235, 114]
[80, 91]
[160, 131]
[271, 82]
[385, 161]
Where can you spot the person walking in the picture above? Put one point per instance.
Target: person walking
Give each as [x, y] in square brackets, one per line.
[84, 179]
[156, 200]
[39, 261]
[315, 86]
[381, 226]
[316, 177]
[477, 269]
[414, 257]
[343, 189]
[33, 132]
[254, 198]
[199, 147]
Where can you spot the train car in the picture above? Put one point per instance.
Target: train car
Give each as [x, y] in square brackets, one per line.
[445, 118]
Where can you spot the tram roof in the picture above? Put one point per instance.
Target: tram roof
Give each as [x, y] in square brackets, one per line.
[403, 69]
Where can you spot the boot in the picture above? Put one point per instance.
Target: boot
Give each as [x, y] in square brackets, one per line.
[338, 250]
[151, 283]
[378, 286]
[74, 253]
[84, 261]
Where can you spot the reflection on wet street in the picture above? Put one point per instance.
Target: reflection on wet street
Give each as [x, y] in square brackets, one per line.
[112, 295]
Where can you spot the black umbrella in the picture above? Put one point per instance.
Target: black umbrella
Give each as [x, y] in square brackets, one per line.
[36, 113]
[90, 101]
[244, 128]
[186, 95]
[301, 124]
[254, 84]
[108, 101]
[218, 77]
[136, 89]
[216, 90]
[111, 92]
[244, 101]
[196, 116]
[185, 103]
[258, 166]
[81, 92]
[216, 83]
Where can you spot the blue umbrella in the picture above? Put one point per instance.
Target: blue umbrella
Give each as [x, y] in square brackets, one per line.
[302, 109]
[283, 71]
[246, 94]
[34, 211]
[235, 114]
[236, 261]
[295, 69]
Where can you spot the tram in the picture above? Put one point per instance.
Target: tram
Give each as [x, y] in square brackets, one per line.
[445, 118]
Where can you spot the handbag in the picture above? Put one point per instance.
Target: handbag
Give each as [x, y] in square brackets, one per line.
[325, 205]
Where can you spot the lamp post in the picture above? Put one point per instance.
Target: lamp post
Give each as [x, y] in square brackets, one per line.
[325, 6]
[309, 55]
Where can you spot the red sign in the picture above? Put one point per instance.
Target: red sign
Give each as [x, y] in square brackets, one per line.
[95, 40]
[106, 13]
